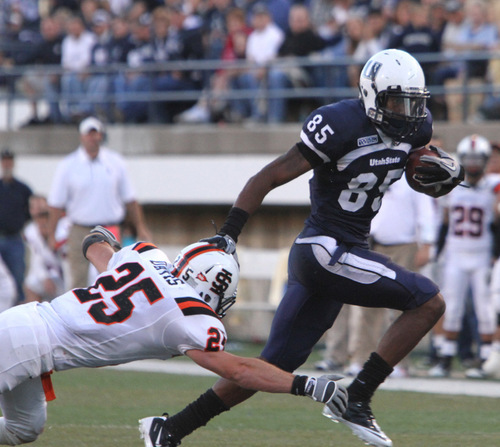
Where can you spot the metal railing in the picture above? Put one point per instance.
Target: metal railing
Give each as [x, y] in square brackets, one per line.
[326, 66]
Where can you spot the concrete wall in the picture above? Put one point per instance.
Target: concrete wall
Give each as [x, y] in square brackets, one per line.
[198, 139]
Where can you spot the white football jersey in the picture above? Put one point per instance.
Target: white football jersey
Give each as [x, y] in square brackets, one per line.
[135, 310]
[471, 213]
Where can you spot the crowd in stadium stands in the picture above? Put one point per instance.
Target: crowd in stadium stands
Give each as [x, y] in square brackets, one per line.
[86, 38]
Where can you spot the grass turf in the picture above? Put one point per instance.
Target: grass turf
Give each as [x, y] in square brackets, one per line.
[101, 407]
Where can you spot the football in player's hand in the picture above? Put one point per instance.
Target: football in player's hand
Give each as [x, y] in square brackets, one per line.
[412, 163]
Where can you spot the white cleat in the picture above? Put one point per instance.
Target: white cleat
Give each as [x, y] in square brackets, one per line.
[144, 429]
[359, 418]
[155, 432]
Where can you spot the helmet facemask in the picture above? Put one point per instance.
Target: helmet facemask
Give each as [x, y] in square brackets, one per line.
[474, 165]
[402, 112]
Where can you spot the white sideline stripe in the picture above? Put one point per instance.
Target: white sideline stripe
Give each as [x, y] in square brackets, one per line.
[466, 387]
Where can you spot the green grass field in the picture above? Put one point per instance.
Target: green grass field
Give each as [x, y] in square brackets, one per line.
[100, 408]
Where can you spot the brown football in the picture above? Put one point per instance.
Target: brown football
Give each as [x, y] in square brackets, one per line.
[414, 161]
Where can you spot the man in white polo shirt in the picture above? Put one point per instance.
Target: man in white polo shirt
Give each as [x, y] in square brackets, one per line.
[92, 187]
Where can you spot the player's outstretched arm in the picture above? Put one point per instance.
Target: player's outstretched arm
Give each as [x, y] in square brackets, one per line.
[280, 171]
[98, 247]
[99, 256]
[258, 375]
[251, 374]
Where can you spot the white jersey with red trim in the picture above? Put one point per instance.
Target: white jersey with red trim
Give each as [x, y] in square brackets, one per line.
[136, 310]
[471, 213]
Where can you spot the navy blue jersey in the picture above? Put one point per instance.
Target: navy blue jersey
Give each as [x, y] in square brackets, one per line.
[354, 164]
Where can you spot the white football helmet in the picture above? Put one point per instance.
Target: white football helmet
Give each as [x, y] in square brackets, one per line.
[473, 153]
[392, 89]
[212, 272]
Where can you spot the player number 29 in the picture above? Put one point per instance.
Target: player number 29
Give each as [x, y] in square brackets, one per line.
[322, 134]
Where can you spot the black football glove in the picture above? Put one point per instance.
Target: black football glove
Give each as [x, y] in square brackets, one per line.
[223, 242]
[444, 170]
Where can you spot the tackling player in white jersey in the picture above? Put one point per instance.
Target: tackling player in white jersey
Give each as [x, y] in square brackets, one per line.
[469, 214]
[140, 307]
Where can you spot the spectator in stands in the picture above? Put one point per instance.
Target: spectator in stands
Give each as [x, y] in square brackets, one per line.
[225, 79]
[15, 42]
[14, 214]
[214, 28]
[328, 76]
[477, 33]
[45, 277]
[170, 41]
[378, 24]
[119, 8]
[358, 44]
[117, 52]
[98, 88]
[448, 69]
[126, 84]
[262, 47]
[88, 8]
[34, 84]
[278, 9]
[300, 41]
[138, 9]
[28, 9]
[418, 37]
[184, 43]
[64, 5]
[400, 18]
[437, 18]
[75, 60]
[321, 12]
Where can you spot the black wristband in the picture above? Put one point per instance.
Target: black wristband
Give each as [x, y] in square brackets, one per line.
[299, 386]
[234, 223]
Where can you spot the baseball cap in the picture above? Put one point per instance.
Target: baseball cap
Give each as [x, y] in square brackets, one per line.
[89, 124]
[6, 153]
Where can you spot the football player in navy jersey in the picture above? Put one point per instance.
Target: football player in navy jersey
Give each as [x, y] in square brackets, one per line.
[356, 148]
